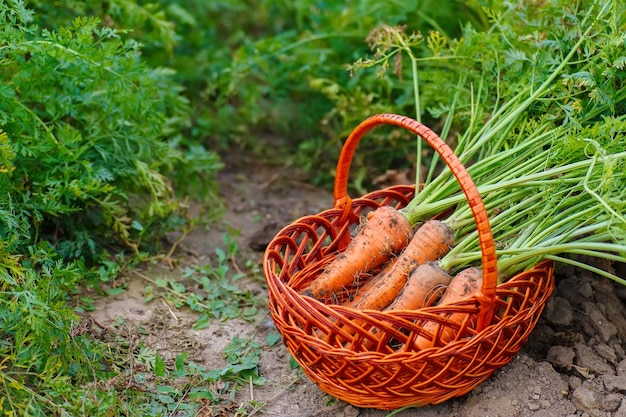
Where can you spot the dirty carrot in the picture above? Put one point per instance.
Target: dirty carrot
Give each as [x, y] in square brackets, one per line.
[432, 240]
[386, 232]
[466, 283]
[423, 288]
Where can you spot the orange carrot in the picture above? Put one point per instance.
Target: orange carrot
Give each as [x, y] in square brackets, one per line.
[465, 284]
[431, 241]
[386, 232]
[423, 288]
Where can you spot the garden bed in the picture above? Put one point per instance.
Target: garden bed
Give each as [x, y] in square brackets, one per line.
[573, 365]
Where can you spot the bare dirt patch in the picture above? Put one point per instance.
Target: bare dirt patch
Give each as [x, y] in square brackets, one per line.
[573, 365]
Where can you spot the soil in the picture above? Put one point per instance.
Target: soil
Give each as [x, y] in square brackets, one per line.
[573, 365]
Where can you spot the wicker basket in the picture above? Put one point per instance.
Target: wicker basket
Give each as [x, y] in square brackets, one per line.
[335, 345]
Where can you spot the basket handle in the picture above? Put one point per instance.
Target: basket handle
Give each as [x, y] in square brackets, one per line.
[485, 236]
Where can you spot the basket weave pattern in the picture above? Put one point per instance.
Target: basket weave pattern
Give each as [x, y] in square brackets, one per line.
[369, 358]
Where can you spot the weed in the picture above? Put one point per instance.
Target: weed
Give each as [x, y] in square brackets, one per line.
[214, 290]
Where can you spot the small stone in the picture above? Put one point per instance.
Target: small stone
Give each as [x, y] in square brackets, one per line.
[611, 402]
[605, 329]
[263, 236]
[545, 404]
[574, 382]
[606, 352]
[561, 356]
[619, 350]
[559, 312]
[586, 290]
[588, 359]
[585, 400]
[614, 382]
[609, 304]
[587, 329]
[534, 406]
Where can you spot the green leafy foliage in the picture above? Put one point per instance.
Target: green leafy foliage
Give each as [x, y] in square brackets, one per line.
[306, 68]
[85, 116]
[91, 149]
[280, 68]
[463, 80]
[242, 359]
[214, 290]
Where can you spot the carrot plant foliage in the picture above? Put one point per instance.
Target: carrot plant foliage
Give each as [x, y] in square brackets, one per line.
[342, 63]
[91, 149]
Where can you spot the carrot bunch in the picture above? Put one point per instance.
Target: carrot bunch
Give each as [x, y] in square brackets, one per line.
[544, 211]
[387, 267]
[552, 191]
